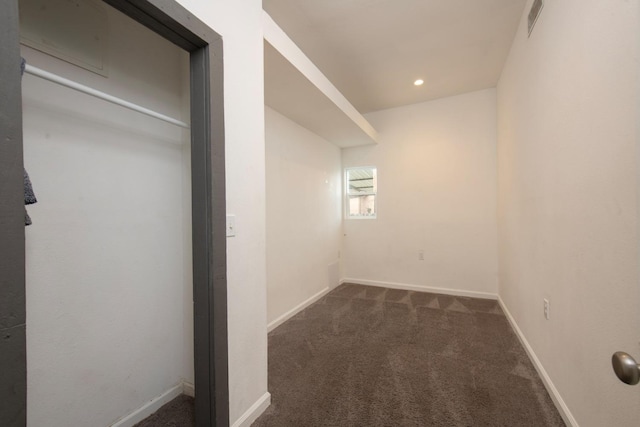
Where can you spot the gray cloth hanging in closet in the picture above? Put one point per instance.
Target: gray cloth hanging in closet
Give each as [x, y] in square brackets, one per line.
[29, 195]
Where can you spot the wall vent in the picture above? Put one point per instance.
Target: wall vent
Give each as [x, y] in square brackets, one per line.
[534, 13]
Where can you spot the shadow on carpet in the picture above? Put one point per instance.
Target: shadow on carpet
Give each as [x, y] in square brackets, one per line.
[177, 413]
[368, 356]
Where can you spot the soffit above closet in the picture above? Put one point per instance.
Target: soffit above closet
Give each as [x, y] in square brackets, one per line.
[373, 50]
[289, 92]
[295, 88]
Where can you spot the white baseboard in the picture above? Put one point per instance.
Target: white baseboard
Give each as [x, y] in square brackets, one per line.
[150, 407]
[562, 407]
[419, 288]
[295, 310]
[254, 411]
[188, 389]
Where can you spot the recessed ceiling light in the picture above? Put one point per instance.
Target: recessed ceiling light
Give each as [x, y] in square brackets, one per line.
[419, 82]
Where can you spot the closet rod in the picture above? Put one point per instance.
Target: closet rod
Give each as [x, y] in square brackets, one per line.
[101, 95]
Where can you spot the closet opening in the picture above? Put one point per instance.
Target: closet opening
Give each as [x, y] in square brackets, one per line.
[207, 205]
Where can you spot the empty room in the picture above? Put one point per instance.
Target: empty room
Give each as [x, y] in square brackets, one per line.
[279, 213]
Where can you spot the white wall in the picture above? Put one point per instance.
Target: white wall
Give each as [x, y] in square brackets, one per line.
[568, 187]
[436, 192]
[240, 24]
[108, 255]
[304, 213]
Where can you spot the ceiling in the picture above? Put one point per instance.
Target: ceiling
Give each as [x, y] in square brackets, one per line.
[373, 50]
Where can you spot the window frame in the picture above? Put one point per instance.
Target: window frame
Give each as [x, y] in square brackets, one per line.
[346, 197]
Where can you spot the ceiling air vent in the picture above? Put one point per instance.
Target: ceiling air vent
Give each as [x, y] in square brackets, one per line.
[536, 8]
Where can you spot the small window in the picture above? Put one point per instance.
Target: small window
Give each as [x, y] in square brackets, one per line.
[361, 190]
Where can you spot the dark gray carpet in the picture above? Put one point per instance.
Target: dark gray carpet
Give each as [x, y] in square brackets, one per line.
[177, 413]
[366, 356]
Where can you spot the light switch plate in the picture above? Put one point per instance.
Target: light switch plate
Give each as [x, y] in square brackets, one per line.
[231, 225]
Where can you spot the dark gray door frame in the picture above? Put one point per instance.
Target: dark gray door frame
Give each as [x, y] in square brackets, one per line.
[176, 24]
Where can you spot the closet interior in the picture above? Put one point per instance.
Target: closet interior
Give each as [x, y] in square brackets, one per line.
[108, 253]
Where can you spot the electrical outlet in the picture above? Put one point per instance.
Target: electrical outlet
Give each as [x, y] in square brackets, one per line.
[420, 255]
[546, 308]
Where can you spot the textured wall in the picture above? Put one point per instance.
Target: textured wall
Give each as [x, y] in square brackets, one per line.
[568, 185]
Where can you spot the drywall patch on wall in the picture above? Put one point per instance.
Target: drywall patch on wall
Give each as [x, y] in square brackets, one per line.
[45, 24]
[303, 213]
[436, 197]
